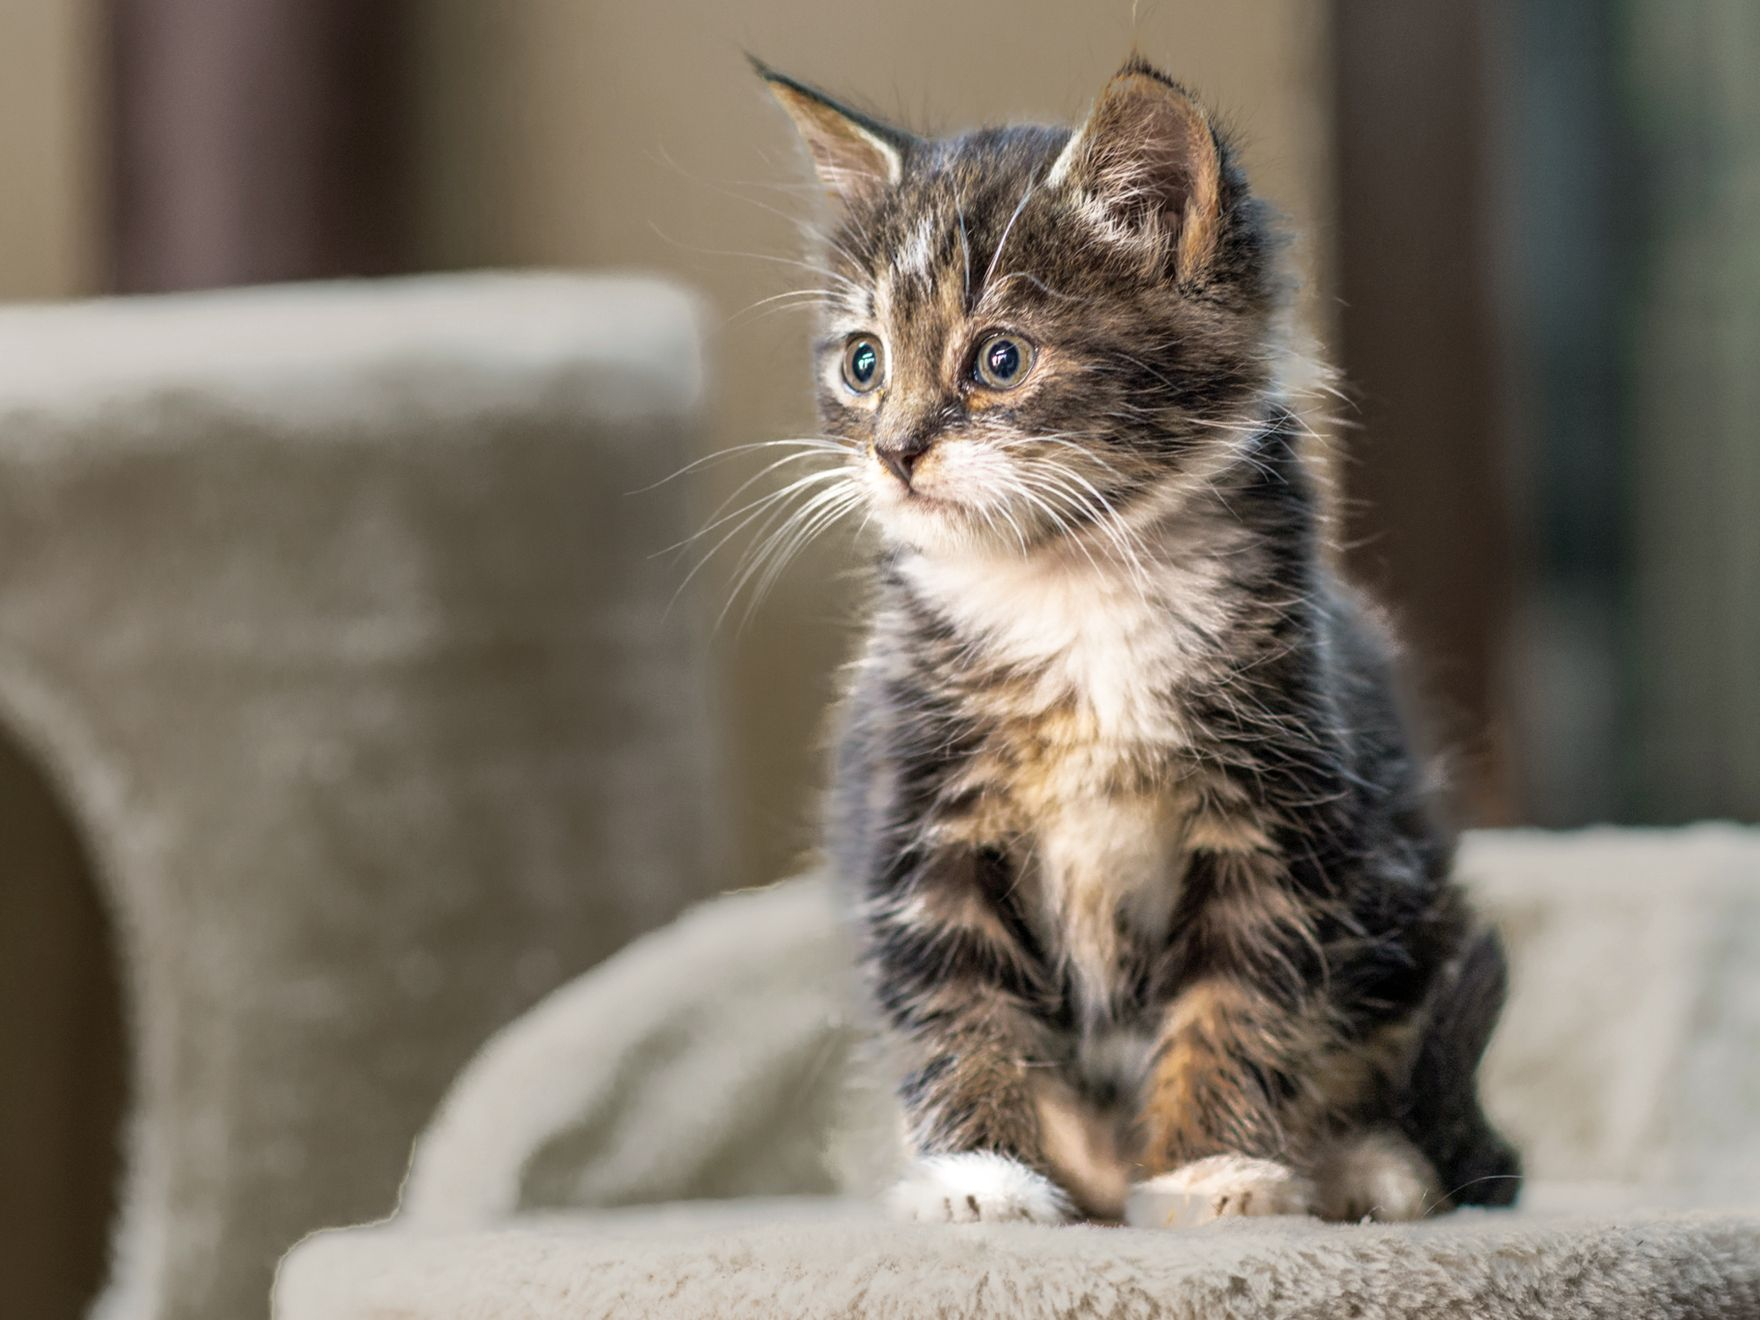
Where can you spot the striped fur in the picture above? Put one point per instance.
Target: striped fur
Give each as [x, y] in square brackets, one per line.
[1152, 886]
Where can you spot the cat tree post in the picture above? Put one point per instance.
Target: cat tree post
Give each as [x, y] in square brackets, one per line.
[326, 613]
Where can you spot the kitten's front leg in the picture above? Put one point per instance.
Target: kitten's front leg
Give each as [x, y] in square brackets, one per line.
[1243, 1077]
[1216, 1116]
[1265, 1081]
[973, 1123]
[961, 992]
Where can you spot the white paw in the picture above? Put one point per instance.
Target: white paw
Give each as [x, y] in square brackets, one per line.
[977, 1187]
[1376, 1175]
[1219, 1187]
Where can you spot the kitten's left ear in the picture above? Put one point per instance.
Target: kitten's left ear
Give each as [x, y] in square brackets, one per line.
[857, 157]
[1150, 156]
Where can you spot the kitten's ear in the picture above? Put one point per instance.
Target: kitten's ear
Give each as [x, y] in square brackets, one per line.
[1149, 155]
[857, 157]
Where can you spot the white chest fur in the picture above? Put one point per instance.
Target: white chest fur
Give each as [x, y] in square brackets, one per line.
[1114, 641]
[1110, 646]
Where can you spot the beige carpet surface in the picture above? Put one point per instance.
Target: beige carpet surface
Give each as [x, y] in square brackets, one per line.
[722, 1058]
[829, 1258]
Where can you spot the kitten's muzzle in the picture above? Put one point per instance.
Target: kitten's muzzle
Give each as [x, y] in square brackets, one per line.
[900, 456]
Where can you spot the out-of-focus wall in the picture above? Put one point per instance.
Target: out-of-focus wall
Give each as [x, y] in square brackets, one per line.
[51, 159]
[567, 133]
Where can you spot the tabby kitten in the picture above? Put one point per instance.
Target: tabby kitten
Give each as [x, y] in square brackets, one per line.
[1153, 897]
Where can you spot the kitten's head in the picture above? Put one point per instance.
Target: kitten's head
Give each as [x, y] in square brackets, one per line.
[1030, 333]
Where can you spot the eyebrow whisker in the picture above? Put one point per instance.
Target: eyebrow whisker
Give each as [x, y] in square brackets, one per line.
[1002, 242]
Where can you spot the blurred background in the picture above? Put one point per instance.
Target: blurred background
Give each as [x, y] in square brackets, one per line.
[1526, 231]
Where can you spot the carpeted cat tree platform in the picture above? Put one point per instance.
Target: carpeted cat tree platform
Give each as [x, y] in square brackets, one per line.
[711, 1068]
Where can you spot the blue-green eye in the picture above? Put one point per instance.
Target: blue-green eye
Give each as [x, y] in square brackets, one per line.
[861, 364]
[1002, 361]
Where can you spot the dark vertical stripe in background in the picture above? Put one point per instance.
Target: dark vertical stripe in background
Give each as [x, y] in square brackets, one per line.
[1426, 519]
[255, 140]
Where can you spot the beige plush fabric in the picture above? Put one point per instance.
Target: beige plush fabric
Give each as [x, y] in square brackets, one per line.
[721, 1058]
[328, 612]
[715, 1058]
[1630, 1050]
[828, 1258]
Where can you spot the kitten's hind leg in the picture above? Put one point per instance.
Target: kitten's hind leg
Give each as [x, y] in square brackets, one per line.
[1441, 1113]
[1376, 1174]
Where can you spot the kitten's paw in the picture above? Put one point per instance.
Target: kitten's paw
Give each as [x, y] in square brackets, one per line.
[1376, 1175]
[1219, 1187]
[977, 1187]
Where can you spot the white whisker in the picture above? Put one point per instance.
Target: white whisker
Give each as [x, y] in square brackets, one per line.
[1007, 229]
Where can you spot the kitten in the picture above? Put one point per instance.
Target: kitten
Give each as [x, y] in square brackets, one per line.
[1153, 897]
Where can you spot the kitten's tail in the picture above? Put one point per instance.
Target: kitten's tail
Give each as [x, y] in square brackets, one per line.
[1441, 1114]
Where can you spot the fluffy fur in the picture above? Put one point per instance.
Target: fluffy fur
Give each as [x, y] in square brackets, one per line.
[1152, 886]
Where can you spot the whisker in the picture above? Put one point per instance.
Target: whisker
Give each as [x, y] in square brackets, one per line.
[797, 262]
[806, 227]
[1037, 283]
[786, 301]
[765, 471]
[757, 506]
[721, 455]
[1007, 229]
[810, 529]
[781, 544]
[965, 250]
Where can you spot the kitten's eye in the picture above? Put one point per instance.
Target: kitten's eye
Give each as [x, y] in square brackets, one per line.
[861, 364]
[1003, 361]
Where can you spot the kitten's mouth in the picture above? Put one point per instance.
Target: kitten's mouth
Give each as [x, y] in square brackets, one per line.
[938, 508]
[911, 494]
[917, 495]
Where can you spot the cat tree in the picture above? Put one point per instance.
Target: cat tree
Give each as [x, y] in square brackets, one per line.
[327, 616]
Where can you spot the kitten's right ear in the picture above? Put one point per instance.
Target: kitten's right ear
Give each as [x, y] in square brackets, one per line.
[857, 157]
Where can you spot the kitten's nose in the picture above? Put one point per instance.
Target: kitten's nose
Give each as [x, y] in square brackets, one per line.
[900, 456]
